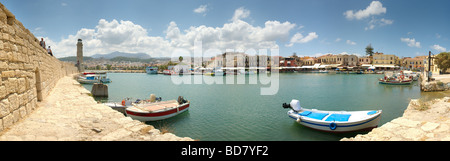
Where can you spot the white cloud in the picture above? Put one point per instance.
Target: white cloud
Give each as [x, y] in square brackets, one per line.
[338, 40]
[375, 8]
[378, 22]
[411, 42]
[63, 4]
[439, 48]
[298, 38]
[126, 36]
[240, 13]
[438, 36]
[350, 42]
[110, 36]
[201, 9]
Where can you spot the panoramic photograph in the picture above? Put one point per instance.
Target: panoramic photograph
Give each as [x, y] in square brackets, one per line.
[215, 70]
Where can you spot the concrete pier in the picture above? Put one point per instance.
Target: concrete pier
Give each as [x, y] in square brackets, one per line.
[70, 114]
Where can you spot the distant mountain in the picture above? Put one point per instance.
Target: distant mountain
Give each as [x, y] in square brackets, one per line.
[121, 54]
[74, 58]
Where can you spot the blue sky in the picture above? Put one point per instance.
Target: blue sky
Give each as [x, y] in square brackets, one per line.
[309, 28]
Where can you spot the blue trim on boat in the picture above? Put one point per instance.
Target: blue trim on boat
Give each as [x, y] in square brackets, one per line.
[340, 125]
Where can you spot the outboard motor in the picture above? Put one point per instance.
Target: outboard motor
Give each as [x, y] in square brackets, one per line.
[294, 105]
[181, 100]
[137, 101]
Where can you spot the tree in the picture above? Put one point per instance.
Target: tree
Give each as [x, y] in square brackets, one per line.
[369, 50]
[442, 60]
[108, 66]
[180, 58]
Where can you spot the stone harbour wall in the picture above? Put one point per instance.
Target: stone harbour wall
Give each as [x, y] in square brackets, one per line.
[27, 72]
[421, 121]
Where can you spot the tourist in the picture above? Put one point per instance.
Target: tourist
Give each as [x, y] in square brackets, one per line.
[42, 43]
[49, 51]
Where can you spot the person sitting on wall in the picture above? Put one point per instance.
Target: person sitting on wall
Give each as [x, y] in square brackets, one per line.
[49, 51]
[42, 43]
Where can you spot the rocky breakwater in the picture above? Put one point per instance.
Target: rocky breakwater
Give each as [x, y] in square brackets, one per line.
[421, 121]
[69, 113]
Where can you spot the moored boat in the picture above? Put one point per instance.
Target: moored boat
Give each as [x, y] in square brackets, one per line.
[167, 72]
[121, 106]
[399, 79]
[91, 79]
[158, 111]
[333, 121]
[151, 70]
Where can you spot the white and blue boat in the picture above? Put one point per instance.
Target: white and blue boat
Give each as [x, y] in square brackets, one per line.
[333, 121]
[151, 70]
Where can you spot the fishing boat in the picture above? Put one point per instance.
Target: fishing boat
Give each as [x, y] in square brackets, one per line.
[167, 72]
[400, 79]
[333, 121]
[151, 70]
[126, 102]
[91, 79]
[219, 72]
[158, 111]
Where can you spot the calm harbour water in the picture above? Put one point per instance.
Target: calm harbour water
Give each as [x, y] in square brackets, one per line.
[238, 112]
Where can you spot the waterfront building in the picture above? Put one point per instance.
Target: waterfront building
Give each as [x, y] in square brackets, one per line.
[383, 61]
[416, 63]
[309, 60]
[435, 70]
[366, 60]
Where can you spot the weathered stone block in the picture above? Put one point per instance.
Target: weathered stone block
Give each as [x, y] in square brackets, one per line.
[14, 101]
[8, 121]
[8, 74]
[3, 66]
[22, 111]
[11, 85]
[3, 91]
[21, 85]
[4, 108]
[16, 115]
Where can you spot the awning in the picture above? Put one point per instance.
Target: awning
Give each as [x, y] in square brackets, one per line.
[386, 66]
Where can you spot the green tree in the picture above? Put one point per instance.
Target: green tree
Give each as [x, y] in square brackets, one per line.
[180, 58]
[108, 66]
[369, 50]
[442, 60]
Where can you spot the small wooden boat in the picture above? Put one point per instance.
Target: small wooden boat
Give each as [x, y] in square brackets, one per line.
[151, 70]
[158, 111]
[395, 82]
[399, 79]
[126, 102]
[91, 79]
[334, 121]
[167, 72]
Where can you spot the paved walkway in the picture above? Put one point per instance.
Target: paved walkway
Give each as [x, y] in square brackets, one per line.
[421, 121]
[70, 114]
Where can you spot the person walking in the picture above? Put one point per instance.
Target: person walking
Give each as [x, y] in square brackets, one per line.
[49, 51]
[42, 43]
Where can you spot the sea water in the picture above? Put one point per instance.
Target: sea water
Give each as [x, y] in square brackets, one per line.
[235, 112]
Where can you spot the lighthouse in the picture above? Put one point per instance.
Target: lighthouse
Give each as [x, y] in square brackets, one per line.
[80, 56]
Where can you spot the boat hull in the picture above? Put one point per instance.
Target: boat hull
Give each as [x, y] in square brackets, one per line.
[364, 124]
[117, 106]
[395, 82]
[145, 116]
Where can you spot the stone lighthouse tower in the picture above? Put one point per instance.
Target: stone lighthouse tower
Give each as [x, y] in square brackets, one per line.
[80, 56]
